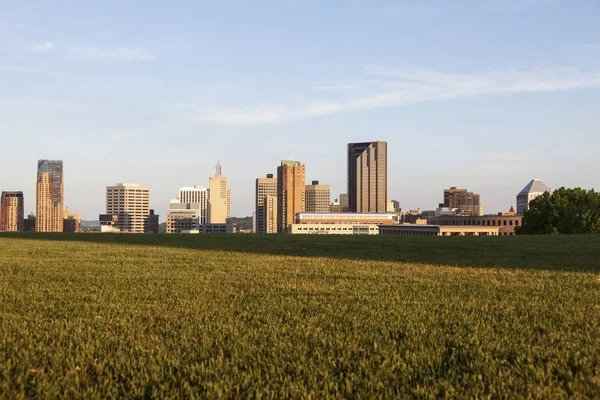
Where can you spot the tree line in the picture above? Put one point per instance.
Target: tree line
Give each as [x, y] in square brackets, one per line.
[565, 211]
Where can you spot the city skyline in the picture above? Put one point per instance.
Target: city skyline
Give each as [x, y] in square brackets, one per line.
[486, 96]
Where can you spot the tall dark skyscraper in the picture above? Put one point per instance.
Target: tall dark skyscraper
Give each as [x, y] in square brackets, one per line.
[49, 196]
[367, 177]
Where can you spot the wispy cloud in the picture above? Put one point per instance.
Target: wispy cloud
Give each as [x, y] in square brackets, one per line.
[124, 54]
[37, 71]
[404, 87]
[42, 47]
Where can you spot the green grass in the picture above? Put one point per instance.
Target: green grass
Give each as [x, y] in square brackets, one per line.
[91, 316]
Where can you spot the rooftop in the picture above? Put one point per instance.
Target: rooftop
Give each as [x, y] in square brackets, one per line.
[535, 186]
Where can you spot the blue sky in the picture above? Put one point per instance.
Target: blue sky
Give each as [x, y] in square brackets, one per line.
[478, 94]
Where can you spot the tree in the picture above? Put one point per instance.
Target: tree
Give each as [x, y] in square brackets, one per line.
[566, 211]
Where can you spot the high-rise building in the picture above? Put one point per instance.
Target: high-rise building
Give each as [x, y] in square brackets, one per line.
[317, 197]
[467, 203]
[290, 192]
[49, 196]
[367, 177]
[29, 223]
[130, 202]
[344, 203]
[11, 212]
[270, 211]
[533, 189]
[152, 223]
[219, 198]
[71, 221]
[190, 211]
[265, 187]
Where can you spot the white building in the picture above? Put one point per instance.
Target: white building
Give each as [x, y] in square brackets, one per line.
[130, 203]
[189, 211]
[533, 189]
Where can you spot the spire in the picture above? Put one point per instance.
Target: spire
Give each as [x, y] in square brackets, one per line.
[218, 168]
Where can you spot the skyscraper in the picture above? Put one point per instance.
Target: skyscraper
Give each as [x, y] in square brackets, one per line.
[11, 212]
[49, 196]
[367, 177]
[219, 198]
[290, 192]
[317, 197]
[533, 189]
[344, 203]
[265, 219]
[130, 202]
[467, 203]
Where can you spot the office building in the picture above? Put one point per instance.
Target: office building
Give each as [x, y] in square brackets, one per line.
[219, 198]
[437, 230]
[29, 223]
[11, 212]
[189, 211]
[346, 218]
[335, 207]
[506, 222]
[108, 223]
[393, 206]
[130, 203]
[290, 192]
[71, 221]
[317, 197]
[466, 203]
[152, 222]
[533, 189]
[266, 188]
[344, 203]
[49, 196]
[367, 177]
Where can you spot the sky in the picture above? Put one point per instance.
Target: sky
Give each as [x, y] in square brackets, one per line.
[483, 95]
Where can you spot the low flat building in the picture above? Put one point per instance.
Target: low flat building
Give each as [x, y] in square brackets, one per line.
[506, 223]
[347, 218]
[108, 223]
[218, 228]
[437, 230]
[182, 220]
[334, 229]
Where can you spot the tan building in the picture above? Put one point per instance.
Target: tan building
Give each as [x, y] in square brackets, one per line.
[219, 198]
[317, 197]
[347, 218]
[334, 229]
[11, 212]
[49, 196]
[266, 190]
[506, 222]
[182, 220]
[437, 230]
[467, 203]
[290, 192]
[344, 203]
[131, 204]
[270, 214]
[367, 177]
[71, 221]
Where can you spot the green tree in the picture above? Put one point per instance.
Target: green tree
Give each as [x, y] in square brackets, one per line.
[566, 211]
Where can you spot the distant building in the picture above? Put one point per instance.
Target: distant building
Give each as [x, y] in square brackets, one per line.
[437, 230]
[317, 197]
[335, 207]
[344, 202]
[219, 198]
[108, 223]
[189, 211]
[506, 223]
[49, 196]
[367, 177]
[290, 192]
[346, 218]
[266, 187]
[130, 203]
[218, 228]
[29, 223]
[467, 203]
[393, 206]
[152, 223]
[334, 229]
[71, 221]
[11, 212]
[533, 189]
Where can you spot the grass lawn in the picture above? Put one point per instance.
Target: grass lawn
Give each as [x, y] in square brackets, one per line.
[93, 315]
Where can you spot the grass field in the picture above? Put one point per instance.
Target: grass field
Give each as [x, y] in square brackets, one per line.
[91, 316]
